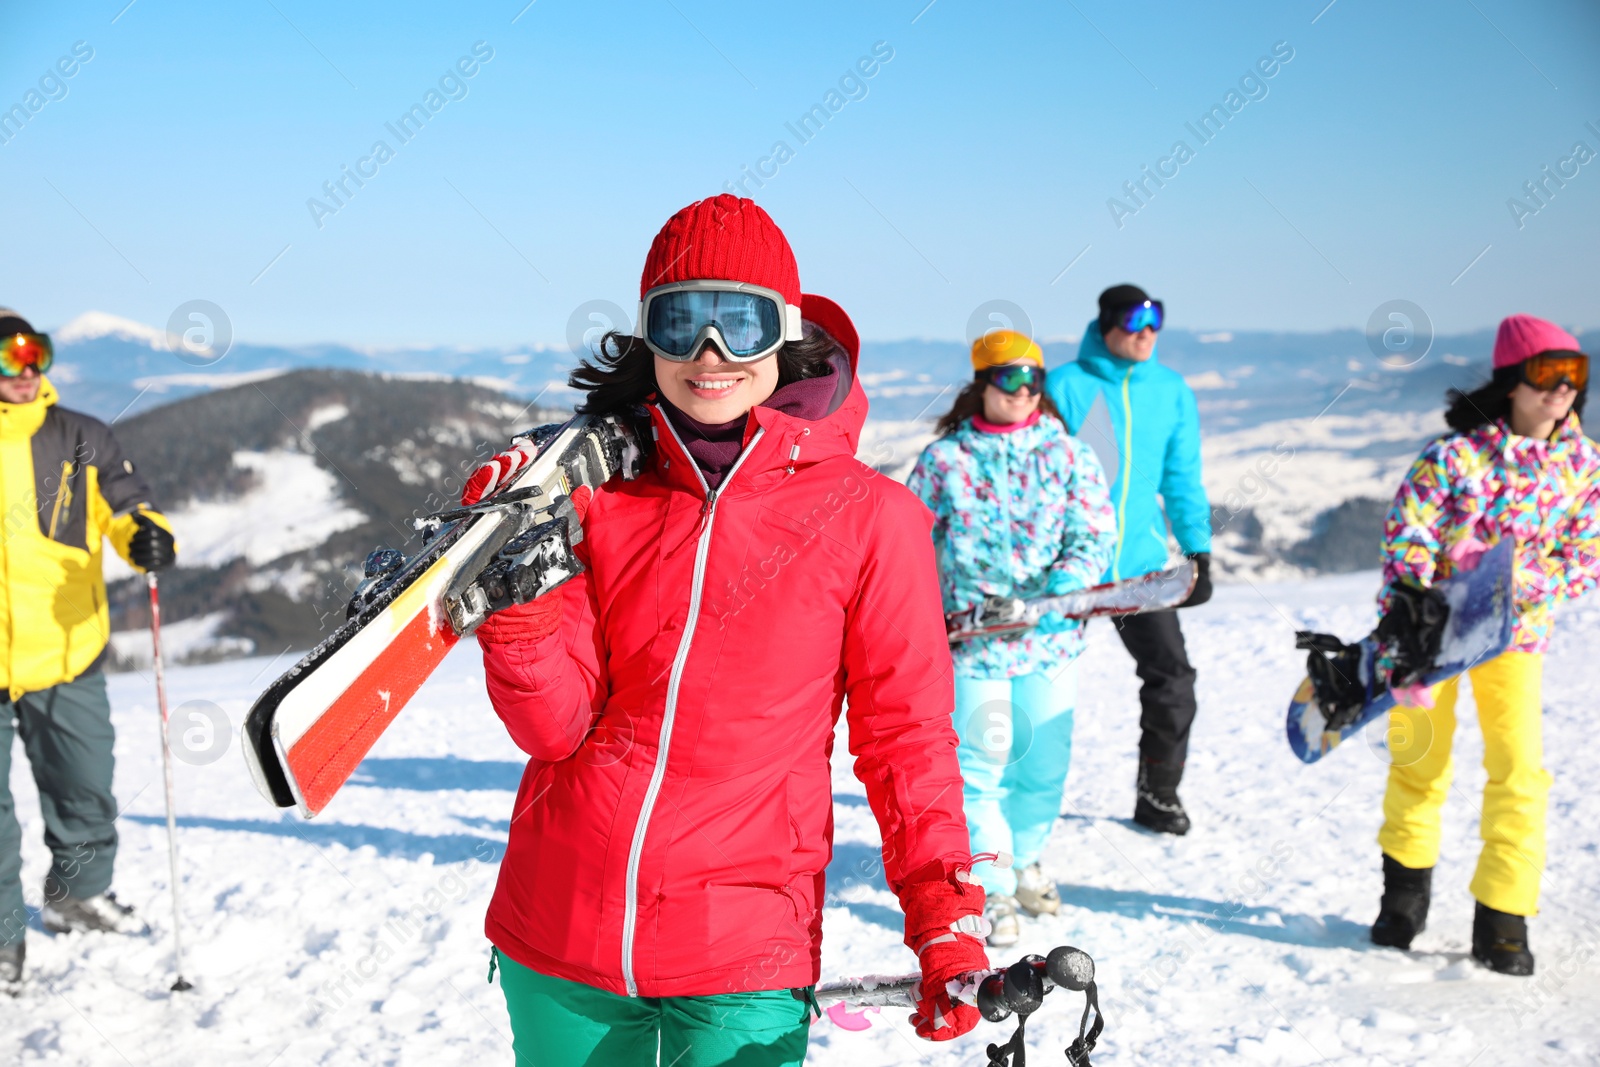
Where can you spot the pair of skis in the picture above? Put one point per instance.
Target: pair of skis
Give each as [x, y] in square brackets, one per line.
[306, 734]
[999, 615]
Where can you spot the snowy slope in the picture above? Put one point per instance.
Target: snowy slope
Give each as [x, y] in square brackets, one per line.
[293, 505]
[356, 938]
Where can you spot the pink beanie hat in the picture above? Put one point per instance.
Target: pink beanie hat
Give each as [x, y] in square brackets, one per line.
[1523, 336]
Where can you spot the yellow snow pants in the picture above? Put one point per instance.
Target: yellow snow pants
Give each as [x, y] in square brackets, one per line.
[1507, 692]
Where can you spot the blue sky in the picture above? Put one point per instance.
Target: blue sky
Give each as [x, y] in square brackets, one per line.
[975, 164]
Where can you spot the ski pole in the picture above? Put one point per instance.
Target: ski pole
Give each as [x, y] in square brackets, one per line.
[999, 994]
[166, 767]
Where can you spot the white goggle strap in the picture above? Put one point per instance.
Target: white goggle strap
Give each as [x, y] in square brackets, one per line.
[794, 327]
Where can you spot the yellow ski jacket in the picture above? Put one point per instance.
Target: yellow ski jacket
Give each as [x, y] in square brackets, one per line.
[64, 486]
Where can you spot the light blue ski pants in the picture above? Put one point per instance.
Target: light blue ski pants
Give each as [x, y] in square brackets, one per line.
[1016, 745]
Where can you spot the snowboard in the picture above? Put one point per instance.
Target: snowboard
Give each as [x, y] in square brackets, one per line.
[307, 732]
[1156, 591]
[1479, 628]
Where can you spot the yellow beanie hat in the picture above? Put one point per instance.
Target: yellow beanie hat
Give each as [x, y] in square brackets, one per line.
[999, 347]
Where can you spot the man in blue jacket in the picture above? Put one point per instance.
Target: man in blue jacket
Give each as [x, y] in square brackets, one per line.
[1142, 419]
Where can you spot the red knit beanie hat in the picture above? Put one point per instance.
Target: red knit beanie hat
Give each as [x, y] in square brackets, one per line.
[1522, 337]
[725, 238]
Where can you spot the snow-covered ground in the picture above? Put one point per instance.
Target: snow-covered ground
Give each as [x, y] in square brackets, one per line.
[356, 938]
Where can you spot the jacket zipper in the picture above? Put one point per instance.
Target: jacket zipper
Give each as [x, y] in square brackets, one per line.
[1127, 475]
[674, 682]
[63, 497]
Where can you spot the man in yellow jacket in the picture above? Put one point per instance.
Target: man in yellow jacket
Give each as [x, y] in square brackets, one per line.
[65, 486]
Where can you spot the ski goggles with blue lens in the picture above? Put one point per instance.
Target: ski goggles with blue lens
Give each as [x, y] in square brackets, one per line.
[1142, 315]
[1015, 378]
[745, 322]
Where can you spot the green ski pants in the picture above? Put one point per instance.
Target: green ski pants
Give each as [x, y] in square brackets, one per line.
[556, 1023]
[66, 732]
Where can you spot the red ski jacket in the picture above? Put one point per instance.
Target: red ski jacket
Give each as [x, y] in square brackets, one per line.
[672, 830]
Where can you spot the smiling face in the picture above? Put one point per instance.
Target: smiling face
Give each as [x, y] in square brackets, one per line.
[1535, 412]
[713, 390]
[1132, 346]
[1003, 408]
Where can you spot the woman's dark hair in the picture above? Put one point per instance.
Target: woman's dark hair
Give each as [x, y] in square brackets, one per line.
[969, 402]
[1490, 402]
[622, 373]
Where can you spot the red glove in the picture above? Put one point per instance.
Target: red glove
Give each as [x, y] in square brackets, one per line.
[539, 617]
[945, 927]
[498, 472]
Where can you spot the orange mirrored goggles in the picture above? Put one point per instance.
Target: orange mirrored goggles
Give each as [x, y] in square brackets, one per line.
[19, 351]
[1549, 369]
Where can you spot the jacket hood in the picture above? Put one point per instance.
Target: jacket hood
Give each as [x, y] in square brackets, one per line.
[787, 439]
[1098, 359]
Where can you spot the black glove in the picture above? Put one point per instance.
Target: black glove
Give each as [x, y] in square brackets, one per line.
[151, 548]
[1202, 580]
[1410, 633]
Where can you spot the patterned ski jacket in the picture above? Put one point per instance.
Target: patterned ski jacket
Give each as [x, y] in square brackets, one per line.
[1143, 422]
[1023, 514]
[672, 832]
[1491, 484]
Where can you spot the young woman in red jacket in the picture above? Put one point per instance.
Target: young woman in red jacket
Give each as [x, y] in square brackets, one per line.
[662, 890]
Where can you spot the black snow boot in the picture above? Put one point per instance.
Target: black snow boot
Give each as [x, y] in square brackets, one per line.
[11, 957]
[1403, 912]
[1500, 941]
[1158, 807]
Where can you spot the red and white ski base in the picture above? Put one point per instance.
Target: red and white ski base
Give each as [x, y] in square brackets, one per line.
[320, 741]
[307, 733]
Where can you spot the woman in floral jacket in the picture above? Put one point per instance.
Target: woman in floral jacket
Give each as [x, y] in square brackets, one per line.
[1516, 466]
[1020, 509]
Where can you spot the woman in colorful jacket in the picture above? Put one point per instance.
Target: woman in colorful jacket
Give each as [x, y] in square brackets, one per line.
[1020, 509]
[1517, 466]
[662, 890]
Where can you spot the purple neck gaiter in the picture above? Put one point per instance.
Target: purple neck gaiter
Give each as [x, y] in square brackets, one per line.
[715, 449]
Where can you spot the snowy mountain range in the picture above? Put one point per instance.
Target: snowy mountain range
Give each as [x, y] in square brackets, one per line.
[277, 490]
[329, 449]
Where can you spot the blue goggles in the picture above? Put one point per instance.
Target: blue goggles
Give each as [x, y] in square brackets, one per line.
[1015, 378]
[744, 322]
[1140, 316]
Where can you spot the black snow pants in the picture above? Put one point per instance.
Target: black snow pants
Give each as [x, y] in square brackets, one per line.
[1167, 696]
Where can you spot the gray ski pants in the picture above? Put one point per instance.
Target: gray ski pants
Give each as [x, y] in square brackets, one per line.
[66, 732]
